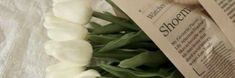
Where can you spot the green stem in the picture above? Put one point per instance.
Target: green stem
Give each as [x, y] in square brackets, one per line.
[115, 20]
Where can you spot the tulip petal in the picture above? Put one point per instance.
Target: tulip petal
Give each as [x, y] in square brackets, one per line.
[52, 21]
[67, 33]
[74, 51]
[89, 74]
[63, 70]
[51, 46]
[78, 11]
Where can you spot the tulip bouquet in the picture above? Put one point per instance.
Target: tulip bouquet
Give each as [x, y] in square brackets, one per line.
[119, 49]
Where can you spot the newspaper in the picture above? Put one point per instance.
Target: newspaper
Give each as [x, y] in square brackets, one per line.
[189, 38]
[223, 12]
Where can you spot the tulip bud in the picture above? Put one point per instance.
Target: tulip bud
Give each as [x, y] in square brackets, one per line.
[74, 51]
[77, 11]
[89, 74]
[51, 21]
[63, 70]
[67, 33]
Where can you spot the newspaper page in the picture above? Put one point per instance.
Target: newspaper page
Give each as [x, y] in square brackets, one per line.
[190, 39]
[223, 12]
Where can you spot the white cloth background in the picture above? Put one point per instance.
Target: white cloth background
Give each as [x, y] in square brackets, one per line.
[22, 37]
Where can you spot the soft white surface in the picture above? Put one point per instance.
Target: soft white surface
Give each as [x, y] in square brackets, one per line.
[22, 37]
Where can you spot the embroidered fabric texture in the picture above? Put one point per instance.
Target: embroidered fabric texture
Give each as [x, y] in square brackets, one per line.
[22, 37]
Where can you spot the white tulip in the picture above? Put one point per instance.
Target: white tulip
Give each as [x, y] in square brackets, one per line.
[89, 74]
[51, 46]
[62, 30]
[63, 66]
[63, 70]
[78, 11]
[51, 21]
[73, 51]
[67, 33]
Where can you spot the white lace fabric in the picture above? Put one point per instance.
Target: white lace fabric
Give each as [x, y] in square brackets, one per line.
[22, 37]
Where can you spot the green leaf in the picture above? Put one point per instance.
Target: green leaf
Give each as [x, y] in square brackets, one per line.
[125, 40]
[116, 20]
[114, 35]
[117, 54]
[117, 9]
[95, 25]
[176, 74]
[114, 6]
[143, 45]
[127, 73]
[139, 37]
[100, 39]
[108, 29]
[151, 59]
[96, 62]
